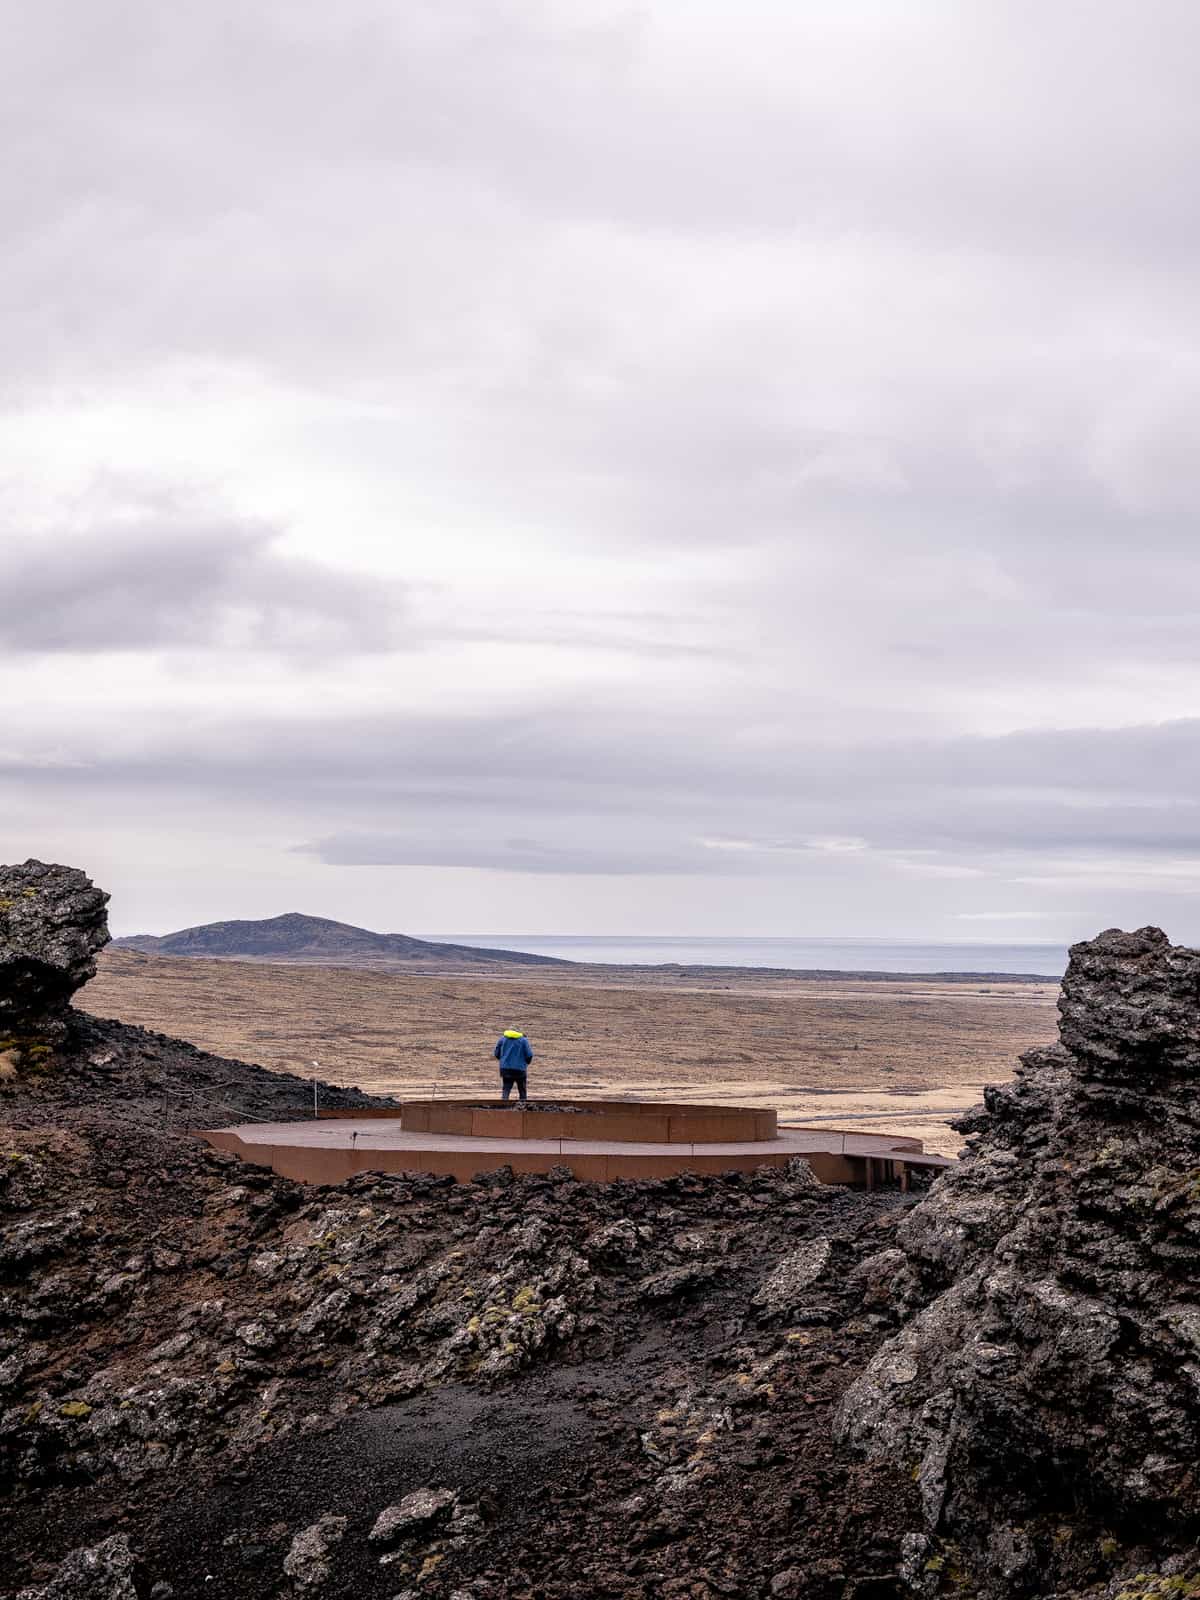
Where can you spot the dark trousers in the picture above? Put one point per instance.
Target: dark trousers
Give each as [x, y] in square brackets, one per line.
[508, 1077]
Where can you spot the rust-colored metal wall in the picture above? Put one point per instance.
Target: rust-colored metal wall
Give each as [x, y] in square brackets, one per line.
[615, 1121]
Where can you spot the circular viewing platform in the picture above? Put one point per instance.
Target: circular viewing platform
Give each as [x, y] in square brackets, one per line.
[596, 1140]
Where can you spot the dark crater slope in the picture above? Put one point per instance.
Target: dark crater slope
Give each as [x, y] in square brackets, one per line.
[217, 1382]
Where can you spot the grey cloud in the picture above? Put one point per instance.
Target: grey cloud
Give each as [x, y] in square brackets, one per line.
[156, 575]
[175, 581]
[571, 251]
[503, 854]
[639, 845]
[565, 793]
[935, 117]
[633, 635]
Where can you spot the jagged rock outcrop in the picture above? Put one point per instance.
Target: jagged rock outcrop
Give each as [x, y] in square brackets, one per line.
[52, 923]
[107, 1571]
[1045, 1389]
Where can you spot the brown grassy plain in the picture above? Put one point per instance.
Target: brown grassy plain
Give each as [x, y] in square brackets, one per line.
[904, 1054]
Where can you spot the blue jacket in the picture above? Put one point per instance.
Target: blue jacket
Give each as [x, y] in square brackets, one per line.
[513, 1051]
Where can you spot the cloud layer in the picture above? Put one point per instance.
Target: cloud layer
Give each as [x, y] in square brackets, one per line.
[600, 467]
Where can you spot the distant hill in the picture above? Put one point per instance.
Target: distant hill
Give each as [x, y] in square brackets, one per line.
[297, 938]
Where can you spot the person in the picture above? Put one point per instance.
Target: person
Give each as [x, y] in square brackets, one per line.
[514, 1054]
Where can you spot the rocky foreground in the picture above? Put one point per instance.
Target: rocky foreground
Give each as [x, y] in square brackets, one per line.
[214, 1381]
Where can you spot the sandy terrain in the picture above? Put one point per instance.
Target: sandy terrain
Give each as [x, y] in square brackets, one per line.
[903, 1055]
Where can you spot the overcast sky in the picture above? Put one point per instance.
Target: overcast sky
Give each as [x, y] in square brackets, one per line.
[604, 466]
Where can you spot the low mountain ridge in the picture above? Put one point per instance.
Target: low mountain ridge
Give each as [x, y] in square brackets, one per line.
[296, 937]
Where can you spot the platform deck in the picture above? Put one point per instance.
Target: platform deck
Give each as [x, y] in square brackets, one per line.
[330, 1151]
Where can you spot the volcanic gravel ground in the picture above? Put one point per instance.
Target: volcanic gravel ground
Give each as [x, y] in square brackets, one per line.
[556, 1462]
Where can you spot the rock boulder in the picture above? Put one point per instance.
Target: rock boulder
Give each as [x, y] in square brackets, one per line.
[52, 923]
[107, 1571]
[417, 1513]
[309, 1561]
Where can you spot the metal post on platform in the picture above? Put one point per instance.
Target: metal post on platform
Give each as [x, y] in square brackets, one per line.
[316, 1066]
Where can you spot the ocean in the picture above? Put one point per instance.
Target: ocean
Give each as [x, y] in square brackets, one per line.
[846, 955]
